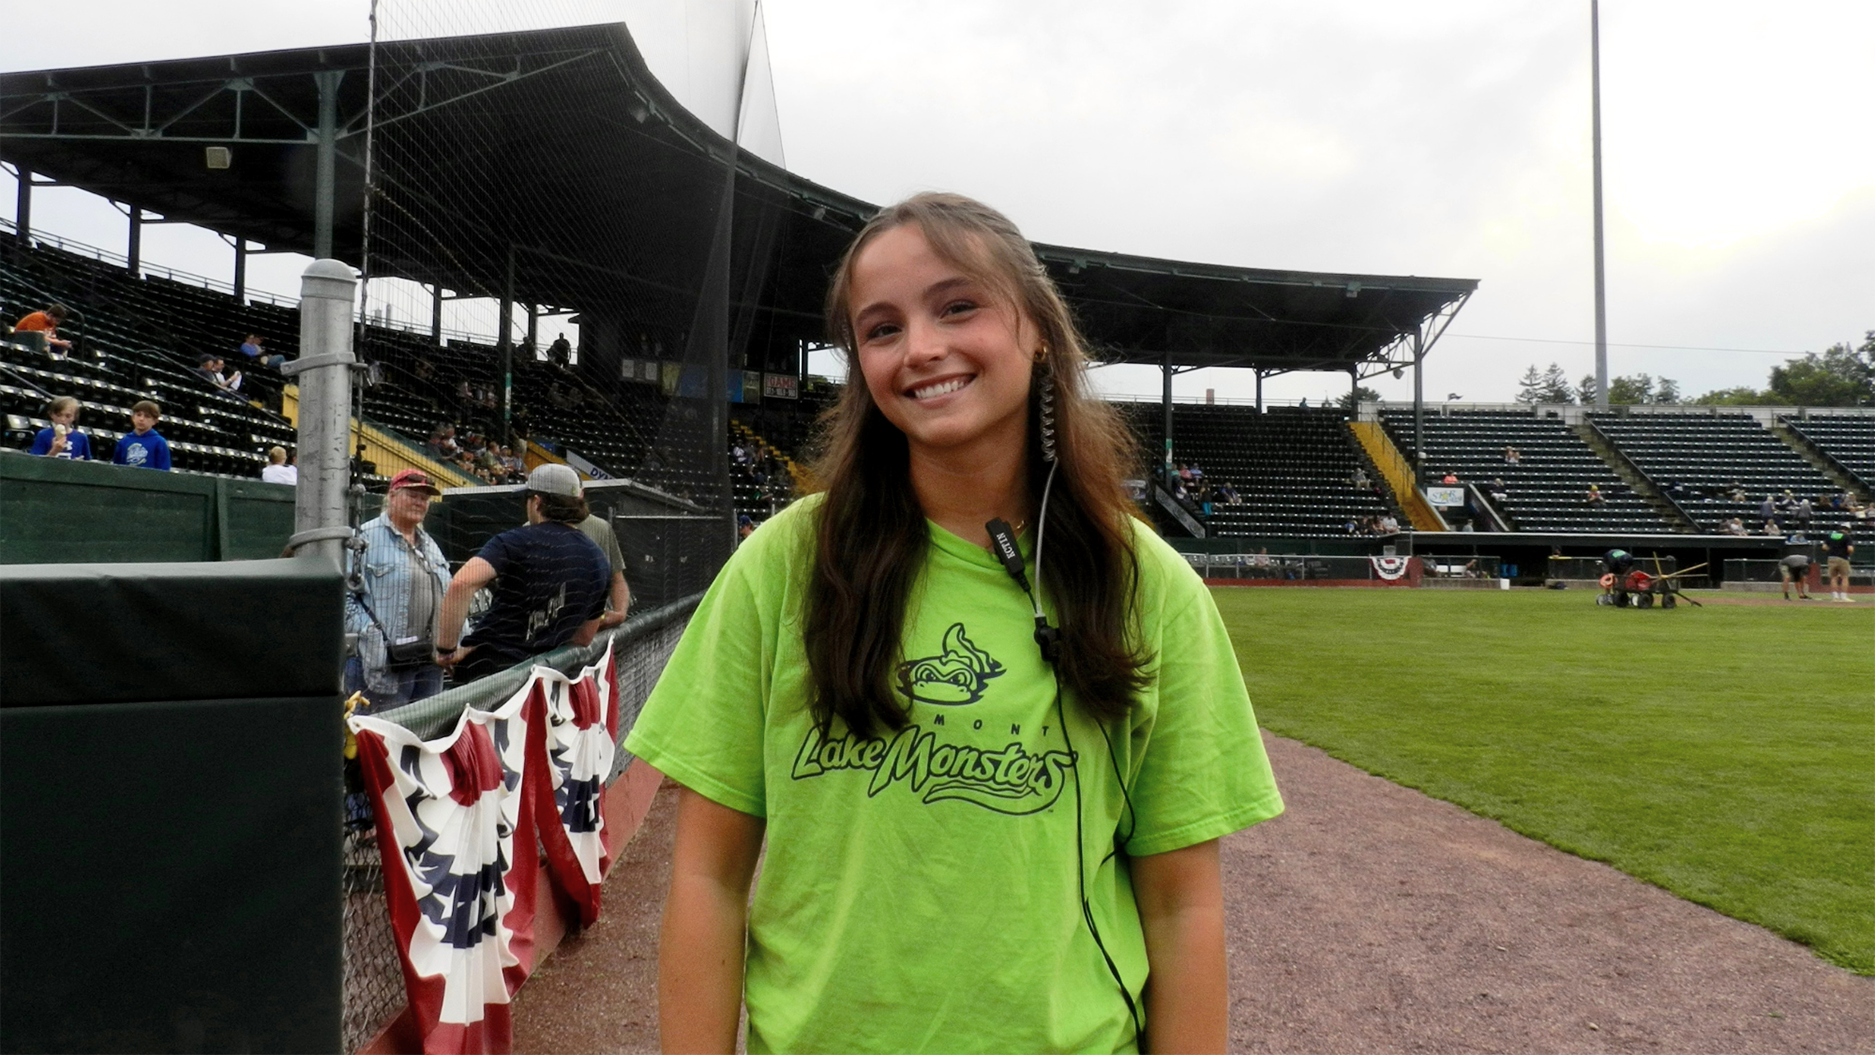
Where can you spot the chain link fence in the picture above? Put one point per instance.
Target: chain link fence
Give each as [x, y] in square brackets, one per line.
[374, 985]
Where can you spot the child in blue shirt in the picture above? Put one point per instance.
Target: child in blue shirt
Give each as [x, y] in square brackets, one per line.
[145, 448]
[60, 439]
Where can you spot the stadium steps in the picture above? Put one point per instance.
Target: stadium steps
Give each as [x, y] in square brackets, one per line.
[390, 454]
[1637, 481]
[1825, 464]
[1391, 467]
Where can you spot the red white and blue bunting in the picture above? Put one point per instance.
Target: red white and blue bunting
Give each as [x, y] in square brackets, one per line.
[1390, 568]
[461, 821]
[581, 740]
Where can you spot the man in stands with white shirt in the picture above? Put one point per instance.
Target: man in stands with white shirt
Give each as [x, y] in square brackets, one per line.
[281, 469]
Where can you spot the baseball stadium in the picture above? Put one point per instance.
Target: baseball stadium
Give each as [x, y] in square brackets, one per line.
[1512, 824]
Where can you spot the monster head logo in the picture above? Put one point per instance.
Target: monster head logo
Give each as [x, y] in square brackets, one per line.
[955, 678]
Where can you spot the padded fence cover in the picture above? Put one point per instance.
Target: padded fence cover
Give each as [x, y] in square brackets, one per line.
[170, 781]
[110, 633]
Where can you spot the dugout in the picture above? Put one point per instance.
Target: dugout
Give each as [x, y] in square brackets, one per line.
[169, 764]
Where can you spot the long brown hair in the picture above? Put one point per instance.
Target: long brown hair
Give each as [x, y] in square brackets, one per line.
[871, 532]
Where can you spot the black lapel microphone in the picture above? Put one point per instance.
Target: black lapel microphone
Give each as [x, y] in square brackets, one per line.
[1003, 544]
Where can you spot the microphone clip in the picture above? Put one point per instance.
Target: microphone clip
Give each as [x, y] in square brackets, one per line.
[1048, 638]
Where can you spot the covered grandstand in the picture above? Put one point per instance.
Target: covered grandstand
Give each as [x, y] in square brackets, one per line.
[681, 254]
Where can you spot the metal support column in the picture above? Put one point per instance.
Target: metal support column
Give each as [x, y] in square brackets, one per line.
[436, 314]
[240, 270]
[505, 342]
[328, 290]
[533, 330]
[1595, 135]
[1354, 392]
[325, 179]
[134, 254]
[23, 209]
[1166, 470]
[1259, 374]
[1419, 414]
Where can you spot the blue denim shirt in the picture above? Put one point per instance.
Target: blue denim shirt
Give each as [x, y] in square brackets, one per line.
[388, 568]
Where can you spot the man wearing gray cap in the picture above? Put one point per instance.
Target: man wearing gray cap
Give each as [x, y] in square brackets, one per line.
[550, 584]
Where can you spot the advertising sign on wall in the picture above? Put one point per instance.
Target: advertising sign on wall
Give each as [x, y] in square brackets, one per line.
[781, 386]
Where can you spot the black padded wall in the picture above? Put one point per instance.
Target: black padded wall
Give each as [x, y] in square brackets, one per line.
[170, 807]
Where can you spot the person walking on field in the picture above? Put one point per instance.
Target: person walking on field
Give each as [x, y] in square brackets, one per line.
[1838, 547]
[982, 728]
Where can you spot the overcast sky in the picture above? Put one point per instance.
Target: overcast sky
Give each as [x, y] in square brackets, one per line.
[1435, 138]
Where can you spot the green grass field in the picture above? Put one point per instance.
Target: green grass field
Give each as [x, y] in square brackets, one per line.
[1724, 753]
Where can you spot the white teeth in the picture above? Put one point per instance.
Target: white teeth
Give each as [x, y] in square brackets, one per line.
[942, 388]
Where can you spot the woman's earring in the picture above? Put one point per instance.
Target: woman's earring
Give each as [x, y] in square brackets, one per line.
[1045, 394]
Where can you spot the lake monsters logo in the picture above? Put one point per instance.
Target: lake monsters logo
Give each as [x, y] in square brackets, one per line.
[956, 677]
[1010, 780]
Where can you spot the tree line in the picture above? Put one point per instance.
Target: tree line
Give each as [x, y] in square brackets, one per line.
[1840, 377]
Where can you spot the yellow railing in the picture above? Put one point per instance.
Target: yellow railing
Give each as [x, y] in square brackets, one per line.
[1397, 472]
[390, 454]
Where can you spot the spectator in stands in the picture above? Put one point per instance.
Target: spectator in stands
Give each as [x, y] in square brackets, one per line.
[1388, 525]
[559, 351]
[1735, 526]
[745, 526]
[1594, 497]
[48, 323]
[1229, 494]
[281, 468]
[1736, 492]
[252, 349]
[209, 367]
[1512, 455]
[443, 441]
[618, 592]
[61, 439]
[1795, 568]
[1499, 490]
[512, 461]
[1359, 479]
[1767, 510]
[1805, 513]
[549, 583]
[1838, 547]
[144, 448]
[393, 610]
[1450, 479]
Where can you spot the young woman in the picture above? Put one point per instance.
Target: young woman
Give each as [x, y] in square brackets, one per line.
[971, 845]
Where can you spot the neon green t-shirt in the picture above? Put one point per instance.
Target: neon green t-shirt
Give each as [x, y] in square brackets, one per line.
[919, 890]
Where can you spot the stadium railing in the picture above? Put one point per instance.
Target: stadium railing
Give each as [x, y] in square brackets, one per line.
[373, 975]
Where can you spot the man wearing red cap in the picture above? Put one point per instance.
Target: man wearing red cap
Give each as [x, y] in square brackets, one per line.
[394, 610]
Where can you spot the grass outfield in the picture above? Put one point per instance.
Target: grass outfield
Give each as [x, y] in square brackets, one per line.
[1724, 753]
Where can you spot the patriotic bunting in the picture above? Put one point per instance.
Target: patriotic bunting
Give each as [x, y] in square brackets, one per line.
[580, 737]
[1390, 568]
[459, 821]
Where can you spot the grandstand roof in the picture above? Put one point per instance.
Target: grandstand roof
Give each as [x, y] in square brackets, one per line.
[616, 183]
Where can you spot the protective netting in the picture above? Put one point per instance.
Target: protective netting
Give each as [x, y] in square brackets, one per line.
[374, 984]
[573, 265]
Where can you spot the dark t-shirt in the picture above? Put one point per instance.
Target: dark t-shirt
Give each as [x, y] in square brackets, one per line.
[1836, 544]
[549, 579]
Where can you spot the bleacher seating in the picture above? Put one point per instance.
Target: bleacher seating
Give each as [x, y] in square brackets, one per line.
[1706, 454]
[1546, 489]
[1291, 467]
[1848, 438]
[121, 358]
